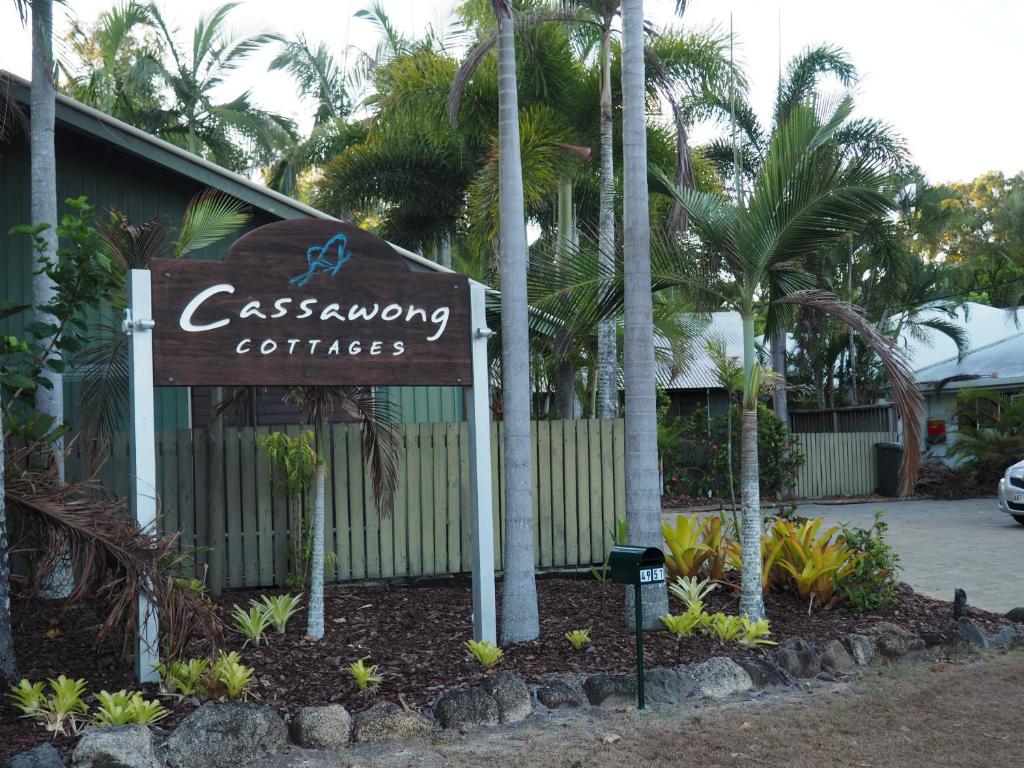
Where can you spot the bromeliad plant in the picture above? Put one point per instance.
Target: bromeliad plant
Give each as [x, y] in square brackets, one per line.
[184, 678]
[61, 712]
[231, 676]
[366, 676]
[816, 564]
[485, 652]
[692, 592]
[124, 708]
[279, 610]
[578, 638]
[682, 625]
[252, 623]
[697, 547]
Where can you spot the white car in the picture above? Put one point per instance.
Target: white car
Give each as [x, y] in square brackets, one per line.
[1011, 492]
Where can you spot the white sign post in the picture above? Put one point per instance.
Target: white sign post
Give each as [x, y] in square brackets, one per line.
[138, 325]
[478, 414]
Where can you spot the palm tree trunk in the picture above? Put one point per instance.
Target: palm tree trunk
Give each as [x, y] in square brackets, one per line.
[8, 669]
[751, 596]
[565, 384]
[780, 397]
[315, 608]
[643, 491]
[519, 618]
[607, 354]
[444, 257]
[48, 400]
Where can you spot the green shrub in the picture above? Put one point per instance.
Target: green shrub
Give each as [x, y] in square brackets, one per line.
[279, 610]
[578, 638]
[184, 677]
[990, 434]
[232, 675]
[252, 623]
[701, 462]
[873, 582]
[123, 708]
[485, 652]
[60, 712]
[366, 676]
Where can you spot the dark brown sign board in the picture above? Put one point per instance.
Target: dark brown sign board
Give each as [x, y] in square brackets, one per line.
[309, 302]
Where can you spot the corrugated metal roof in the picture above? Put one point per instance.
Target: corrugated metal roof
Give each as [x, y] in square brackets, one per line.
[698, 369]
[1000, 363]
[983, 324]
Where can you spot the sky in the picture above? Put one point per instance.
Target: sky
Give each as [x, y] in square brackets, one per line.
[943, 73]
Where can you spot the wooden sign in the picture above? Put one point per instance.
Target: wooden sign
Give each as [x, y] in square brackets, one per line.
[310, 302]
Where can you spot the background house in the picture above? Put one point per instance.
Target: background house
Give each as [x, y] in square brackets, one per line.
[693, 383]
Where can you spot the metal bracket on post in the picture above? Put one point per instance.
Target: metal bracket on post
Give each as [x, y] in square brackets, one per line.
[478, 415]
[138, 325]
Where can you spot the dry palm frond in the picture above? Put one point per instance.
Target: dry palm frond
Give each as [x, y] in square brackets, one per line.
[905, 395]
[116, 562]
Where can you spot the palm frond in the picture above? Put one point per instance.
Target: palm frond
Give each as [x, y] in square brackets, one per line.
[209, 216]
[905, 395]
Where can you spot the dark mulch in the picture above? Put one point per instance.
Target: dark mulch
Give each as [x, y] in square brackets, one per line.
[416, 633]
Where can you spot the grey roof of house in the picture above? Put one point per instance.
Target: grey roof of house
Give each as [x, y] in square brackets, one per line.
[999, 364]
[698, 370]
[134, 141]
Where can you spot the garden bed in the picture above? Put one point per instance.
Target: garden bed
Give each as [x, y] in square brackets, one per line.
[415, 633]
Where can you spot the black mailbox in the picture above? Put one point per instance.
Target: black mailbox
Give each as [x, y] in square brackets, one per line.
[637, 565]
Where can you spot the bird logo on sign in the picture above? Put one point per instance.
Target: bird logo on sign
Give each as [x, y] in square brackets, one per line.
[326, 258]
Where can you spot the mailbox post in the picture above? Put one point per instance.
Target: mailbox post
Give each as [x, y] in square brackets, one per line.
[638, 566]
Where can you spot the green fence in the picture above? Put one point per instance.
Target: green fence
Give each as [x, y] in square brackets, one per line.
[839, 464]
[578, 484]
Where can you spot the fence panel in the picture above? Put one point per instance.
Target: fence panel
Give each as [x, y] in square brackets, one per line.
[578, 493]
[838, 464]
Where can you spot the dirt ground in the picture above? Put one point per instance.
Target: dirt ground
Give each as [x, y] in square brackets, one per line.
[894, 717]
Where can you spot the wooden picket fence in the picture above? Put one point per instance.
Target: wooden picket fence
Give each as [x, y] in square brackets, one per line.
[578, 493]
[839, 464]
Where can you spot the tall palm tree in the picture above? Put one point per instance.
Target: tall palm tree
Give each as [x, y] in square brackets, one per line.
[116, 66]
[519, 618]
[8, 665]
[643, 491]
[805, 197]
[198, 123]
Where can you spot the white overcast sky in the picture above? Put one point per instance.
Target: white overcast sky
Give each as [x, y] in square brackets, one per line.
[945, 73]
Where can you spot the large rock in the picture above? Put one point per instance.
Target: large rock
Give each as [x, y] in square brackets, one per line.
[321, 727]
[861, 649]
[1016, 615]
[512, 696]
[236, 734]
[798, 658]
[972, 633]
[765, 673]
[386, 721]
[41, 756]
[668, 686]
[119, 746]
[466, 707]
[558, 693]
[610, 690]
[719, 677]
[835, 658]
[902, 647]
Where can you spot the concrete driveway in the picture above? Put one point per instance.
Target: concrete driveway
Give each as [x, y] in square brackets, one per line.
[948, 544]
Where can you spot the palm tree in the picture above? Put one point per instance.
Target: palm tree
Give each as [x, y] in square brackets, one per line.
[381, 450]
[8, 665]
[201, 125]
[117, 68]
[805, 197]
[519, 618]
[643, 491]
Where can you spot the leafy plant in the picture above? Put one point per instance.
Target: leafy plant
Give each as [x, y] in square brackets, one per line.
[578, 638]
[184, 677]
[122, 708]
[60, 711]
[686, 546]
[990, 430]
[683, 624]
[280, 609]
[754, 632]
[873, 581]
[692, 592]
[815, 563]
[252, 623]
[726, 628]
[485, 652]
[619, 536]
[366, 676]
[232, 674]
